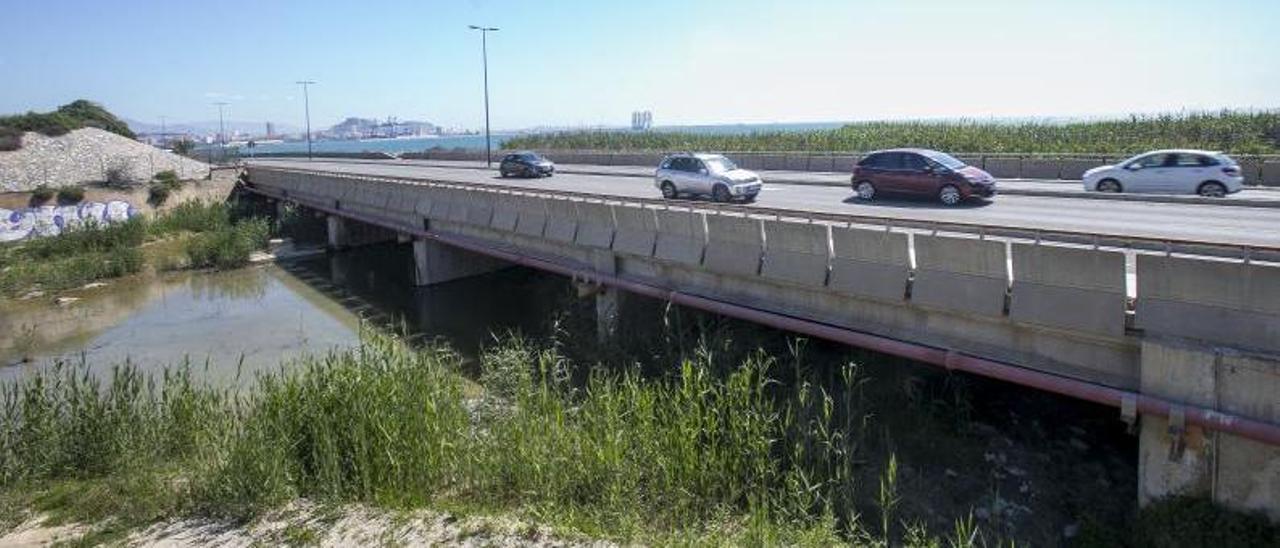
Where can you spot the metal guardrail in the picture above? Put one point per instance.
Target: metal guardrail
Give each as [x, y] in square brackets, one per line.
[1208, 248]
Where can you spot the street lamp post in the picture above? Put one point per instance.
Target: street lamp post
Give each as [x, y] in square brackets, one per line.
[306, 101]
[222, 133]
[484, 52]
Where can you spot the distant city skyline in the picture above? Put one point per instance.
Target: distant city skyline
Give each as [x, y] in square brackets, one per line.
[581, 63]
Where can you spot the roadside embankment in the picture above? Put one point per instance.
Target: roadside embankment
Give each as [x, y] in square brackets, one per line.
[88, 156]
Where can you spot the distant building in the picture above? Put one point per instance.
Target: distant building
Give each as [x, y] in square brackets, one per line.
[271, 130]
[641, 120]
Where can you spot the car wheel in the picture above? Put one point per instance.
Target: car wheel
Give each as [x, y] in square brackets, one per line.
[503, 173]
[1212, 189]
[1109, 185]
[865, 190]
[949, 195]
[720, 193]
[669, 190]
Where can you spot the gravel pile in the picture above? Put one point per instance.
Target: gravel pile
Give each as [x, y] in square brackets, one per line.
[88, 155]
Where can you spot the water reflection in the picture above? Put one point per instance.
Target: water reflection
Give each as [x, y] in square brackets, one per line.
[235, 323]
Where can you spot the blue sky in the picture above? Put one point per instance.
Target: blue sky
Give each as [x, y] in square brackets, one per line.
[593, 62]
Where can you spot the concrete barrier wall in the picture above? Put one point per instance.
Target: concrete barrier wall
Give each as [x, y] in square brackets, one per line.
[873, 264]
[595, 225]
[532, 219]
[562, 221]
[965, 275]
[1040, 168]
[1215, 301]
[1270, 173]
[1003, 166]
[682, 235]
[636, 231]
[734, 245]
[795, 253]
[1069, 288]
[506, 212]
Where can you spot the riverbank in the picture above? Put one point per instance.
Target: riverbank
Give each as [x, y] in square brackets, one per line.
[196, 233]
[385, 441]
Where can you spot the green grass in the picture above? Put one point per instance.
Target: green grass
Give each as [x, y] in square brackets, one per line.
[1230, 131]
[689, 457]
[71, 116]
[215, 235]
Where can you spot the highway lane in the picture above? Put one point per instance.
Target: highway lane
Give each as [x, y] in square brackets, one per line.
[1226, 225]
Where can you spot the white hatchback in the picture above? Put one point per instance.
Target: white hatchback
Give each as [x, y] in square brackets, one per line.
[1200, 172]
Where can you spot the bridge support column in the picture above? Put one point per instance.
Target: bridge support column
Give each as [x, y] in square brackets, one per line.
[435, 263]
[339, 234]
[608, 299]
[282, 207]
[1175, 458]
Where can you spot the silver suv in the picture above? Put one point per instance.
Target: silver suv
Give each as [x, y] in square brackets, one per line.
[706, 175]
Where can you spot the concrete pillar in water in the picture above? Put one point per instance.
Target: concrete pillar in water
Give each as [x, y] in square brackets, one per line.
[338, 267]
[1175, 458]
[435, 263]
[608, 299]
[339, 234]
[281, 208]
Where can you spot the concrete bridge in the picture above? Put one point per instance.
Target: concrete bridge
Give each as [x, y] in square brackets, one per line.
[1181, 335]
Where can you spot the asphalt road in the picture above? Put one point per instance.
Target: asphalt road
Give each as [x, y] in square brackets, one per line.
[1218, 224]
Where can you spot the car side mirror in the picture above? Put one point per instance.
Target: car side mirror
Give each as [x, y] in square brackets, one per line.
[703, 171]
[1133, 167]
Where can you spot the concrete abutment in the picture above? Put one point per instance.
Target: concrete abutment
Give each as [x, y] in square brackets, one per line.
[436, 263]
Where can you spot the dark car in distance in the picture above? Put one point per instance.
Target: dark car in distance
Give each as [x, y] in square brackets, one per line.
[526, 164]
[920, 172]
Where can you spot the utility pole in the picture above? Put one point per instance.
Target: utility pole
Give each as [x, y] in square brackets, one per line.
[306, 102]
[163, 133]
[484, 53]
[222, 133]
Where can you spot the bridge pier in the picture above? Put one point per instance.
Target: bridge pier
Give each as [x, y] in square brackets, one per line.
[608, 299]
[1175, 458]
[435, 263]
[339, 236]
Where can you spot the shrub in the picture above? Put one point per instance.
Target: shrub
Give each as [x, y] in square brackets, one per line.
[41, 195]
[229, 247]
[167, 177]
[118, 176]
[183, 146]
[69, 195]
[10, 139]
[192, 216]
[157, 194]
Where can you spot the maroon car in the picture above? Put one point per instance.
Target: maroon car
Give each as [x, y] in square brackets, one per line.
[920, 172]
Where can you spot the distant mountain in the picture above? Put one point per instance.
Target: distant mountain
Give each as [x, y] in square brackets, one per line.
[211, 127]
[355, 127]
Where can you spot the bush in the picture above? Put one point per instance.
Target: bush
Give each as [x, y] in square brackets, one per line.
[68, 117]
[167, 177]
[228, 247]
[41, 195]
[69, 195]
[10, 139]
[183, 146]
[118, 176]
[192, 216]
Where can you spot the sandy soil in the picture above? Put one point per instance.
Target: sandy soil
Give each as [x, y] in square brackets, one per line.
[307, 524]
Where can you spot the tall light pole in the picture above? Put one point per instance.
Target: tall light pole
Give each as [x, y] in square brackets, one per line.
[306, 102]
[484, 53]
[163, 133]
[222, 132]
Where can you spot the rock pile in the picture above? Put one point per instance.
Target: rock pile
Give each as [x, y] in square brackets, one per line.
[88, 155]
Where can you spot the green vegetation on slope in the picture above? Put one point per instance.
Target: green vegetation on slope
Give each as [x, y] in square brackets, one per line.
[71, 116]
[214, 235]
[690, 457]
[619, 456]
[1230, 131]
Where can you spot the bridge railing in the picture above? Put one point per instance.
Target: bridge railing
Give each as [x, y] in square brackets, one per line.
[1011, 231]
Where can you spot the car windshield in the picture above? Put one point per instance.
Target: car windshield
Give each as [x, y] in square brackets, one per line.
[948, 161]
[531, 157]
[720, 164]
